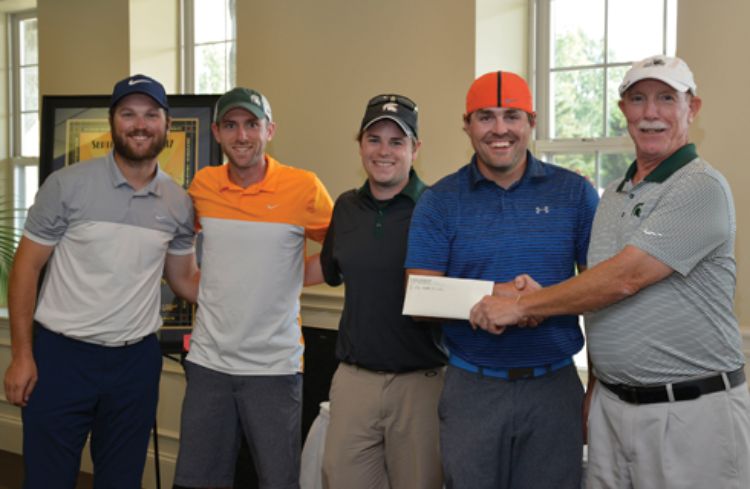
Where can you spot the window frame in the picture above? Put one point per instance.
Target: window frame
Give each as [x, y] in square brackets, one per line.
[541, 52]
[188, 48]
[19, 163]
[15, 111]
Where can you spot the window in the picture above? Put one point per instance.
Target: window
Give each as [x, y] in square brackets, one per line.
[584, 48]
[24, 85]
[209, 46]
[24, 112]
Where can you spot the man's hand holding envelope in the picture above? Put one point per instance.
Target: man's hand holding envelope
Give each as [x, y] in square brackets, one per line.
[456, 298]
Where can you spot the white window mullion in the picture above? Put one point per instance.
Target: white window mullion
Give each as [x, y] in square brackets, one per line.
[208, 45]
[564, 24]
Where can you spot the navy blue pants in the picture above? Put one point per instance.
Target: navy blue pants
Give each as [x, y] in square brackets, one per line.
[110, 392]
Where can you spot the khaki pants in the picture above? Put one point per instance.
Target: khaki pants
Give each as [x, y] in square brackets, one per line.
[698, 444]
[384, 430]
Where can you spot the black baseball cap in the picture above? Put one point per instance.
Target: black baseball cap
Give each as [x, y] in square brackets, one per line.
[140, 84]
[401, 110]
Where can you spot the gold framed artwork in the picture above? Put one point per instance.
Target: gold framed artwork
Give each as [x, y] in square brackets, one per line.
[76, 128]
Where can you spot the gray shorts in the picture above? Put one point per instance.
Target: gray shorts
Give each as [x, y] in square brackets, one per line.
[219, 407]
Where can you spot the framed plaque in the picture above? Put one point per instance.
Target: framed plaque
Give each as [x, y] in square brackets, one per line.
[76, 128]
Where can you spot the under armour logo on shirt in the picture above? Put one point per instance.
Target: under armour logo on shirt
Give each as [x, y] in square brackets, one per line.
[544, 209]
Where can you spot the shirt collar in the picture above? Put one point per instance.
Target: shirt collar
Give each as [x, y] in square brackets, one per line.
[666, 168]
[534, 169]
[269, 183]
[118, 179]
[413, 190]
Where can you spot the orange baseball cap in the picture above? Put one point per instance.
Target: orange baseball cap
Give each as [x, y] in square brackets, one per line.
[499, 89]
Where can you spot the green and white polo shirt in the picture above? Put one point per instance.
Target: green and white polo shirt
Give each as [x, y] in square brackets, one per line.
[683, 326]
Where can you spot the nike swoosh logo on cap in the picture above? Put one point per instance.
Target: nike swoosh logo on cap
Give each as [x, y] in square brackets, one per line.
[136, 82]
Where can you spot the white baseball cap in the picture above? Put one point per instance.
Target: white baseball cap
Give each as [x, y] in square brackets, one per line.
[672, 71]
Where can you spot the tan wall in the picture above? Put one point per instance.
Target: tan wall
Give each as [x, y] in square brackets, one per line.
[154, 42]
[319, 62]
[502, 48]
[713, 38]
[83, 45]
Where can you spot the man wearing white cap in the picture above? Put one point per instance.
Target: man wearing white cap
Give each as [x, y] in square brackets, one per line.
[671, 407]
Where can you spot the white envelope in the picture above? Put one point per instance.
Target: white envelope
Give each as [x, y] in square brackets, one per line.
[443, 297]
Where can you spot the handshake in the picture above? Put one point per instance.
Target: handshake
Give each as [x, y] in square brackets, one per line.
[504, 307]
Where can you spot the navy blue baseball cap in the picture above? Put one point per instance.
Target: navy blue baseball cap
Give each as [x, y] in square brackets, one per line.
[139, 84]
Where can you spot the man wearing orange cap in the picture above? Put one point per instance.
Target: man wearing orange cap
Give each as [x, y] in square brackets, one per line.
[510, 410]
[670, 406]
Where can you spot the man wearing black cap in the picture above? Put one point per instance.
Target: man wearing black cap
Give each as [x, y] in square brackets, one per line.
[114, 224]
[384, 428]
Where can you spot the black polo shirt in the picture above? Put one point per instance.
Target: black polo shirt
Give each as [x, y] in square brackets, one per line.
[365, 248]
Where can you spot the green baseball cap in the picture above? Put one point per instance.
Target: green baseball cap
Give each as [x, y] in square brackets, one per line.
[243, 98]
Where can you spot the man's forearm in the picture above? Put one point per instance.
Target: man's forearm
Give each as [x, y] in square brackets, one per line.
[22, 286]
[313, 270]
[183, 276]
[21, 302]
[21, 375]
[610, 281]
[589, 291]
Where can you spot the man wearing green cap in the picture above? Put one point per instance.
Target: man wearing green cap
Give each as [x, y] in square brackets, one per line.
[245, 361]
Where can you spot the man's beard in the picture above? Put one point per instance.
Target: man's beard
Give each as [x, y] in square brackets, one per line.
[146, 154]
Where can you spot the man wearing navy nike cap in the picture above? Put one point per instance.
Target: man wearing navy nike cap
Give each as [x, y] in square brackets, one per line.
[86, 359]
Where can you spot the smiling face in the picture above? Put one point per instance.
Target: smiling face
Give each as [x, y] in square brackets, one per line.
[500, 137]
[658, 119]
[387, 155]
[139, 129]
[243, 138]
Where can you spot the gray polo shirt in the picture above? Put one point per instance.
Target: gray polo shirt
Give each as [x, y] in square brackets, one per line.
[103, 278]
[683, 326]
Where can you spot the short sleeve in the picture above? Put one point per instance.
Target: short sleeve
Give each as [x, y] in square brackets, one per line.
[429, 234]
[47, 218]
[320, 207]
[690, 220]
[184, 239]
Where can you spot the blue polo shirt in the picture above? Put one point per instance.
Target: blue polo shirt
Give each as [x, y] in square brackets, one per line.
[467, 226]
